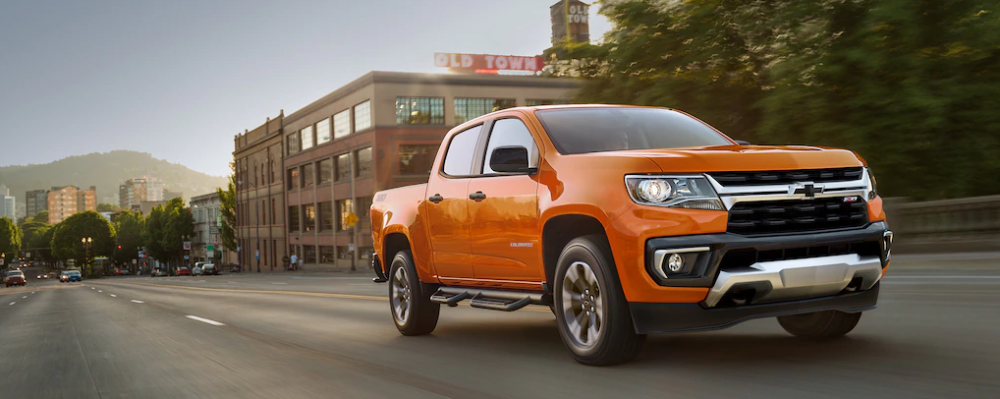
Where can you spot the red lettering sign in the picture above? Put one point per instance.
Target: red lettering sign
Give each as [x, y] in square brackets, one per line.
[489, 61]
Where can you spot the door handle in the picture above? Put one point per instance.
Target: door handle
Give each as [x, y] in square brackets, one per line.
[478, 195]
[436, 198]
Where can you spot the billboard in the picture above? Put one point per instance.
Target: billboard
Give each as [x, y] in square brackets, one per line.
[488, 62]
[570, 21]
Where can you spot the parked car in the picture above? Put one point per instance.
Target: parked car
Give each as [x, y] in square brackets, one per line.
[158, 272]
[629, 221]
[70, 276]
[196, 271]
[15, 277]
[209, 269]
[183, 271]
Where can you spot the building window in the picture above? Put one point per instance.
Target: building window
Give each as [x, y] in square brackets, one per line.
[307, 175]
[419, 111]
[325, 171]
[263, 218]
[467, 109]
[307, 138]
[273, 168]
[343, 253]
[272, 211]
[362, 116]
[535, 103]
[363, 158]
[342, 124]
[293, 218]
[343, 167]
[416, 159]
[293, 143]
[365, 253]
[308, 217]
[344, 208]
[293, 178]
[323, 131]
[309, 254]
[326, 216]
[364, 212]
[326, 254]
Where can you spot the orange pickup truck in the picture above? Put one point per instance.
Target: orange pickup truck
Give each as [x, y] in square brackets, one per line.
[628, 221]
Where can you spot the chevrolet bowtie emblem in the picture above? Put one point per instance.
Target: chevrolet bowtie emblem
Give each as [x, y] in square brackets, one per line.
[806, 188]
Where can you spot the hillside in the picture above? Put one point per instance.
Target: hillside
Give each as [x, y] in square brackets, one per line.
[106, 171]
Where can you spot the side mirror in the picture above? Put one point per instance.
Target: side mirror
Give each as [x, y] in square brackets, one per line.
[510, 159]
[742, 142]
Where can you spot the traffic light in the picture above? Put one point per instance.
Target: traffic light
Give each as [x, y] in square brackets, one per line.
[119, 247]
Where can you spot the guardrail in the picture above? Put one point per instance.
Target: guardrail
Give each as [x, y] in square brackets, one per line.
[955, 225]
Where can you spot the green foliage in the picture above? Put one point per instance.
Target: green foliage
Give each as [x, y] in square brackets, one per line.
[104, 207]
[42, 239]
[42, 217]
[167, 227]
[10, 238]
[31, 231]
[129, 226]
[66, 240]
[227, 208]
[912, 85]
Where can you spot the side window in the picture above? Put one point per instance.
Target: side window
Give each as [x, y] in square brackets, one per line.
[510, 132]
[458, 158]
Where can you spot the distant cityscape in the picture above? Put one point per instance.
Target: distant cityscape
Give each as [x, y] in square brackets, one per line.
[135, 195]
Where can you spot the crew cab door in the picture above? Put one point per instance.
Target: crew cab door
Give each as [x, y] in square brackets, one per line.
[446, 209]
[503, 208]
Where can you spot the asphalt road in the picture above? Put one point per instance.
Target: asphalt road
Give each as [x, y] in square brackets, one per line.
[935, 334]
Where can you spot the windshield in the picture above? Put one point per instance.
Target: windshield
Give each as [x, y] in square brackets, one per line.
[582, 130]
[16, 273]
[73, 273]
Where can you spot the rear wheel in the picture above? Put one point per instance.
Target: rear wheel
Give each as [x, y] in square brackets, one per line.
[591, 312]
[820, 325]
[412, 309]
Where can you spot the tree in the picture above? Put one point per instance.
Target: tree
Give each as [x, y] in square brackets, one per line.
[43, 239]
[105, 207]
[10, 238]
[67, 239]
[30, 232]
[911, 85]
[129, 227]
[167, 227]
[227, 208]
[155, 224]
[42, 217]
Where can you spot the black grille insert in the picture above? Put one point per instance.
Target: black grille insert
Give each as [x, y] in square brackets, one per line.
[784, 177]
[741, 259]
[793, 216]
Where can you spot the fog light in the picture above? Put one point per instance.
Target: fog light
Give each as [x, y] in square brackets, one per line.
[675, 263]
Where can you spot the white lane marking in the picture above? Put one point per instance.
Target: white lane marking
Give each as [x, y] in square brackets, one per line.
[280, 283]
[114, 296]
[24, 297]
[331, 278]
[100, 291]
[12, 304]
[93, 288]
[204, 320]
[32, 292]
[135, 301]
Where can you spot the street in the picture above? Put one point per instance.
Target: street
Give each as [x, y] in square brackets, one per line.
[288, 335]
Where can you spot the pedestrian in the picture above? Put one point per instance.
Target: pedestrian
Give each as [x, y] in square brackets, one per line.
[285, 262]
[299, 267]
[294, 261]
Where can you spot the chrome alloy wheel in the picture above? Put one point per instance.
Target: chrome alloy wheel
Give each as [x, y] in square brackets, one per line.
[582, 305]
[401, 296]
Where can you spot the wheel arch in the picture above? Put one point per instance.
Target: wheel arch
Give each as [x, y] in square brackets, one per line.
[560, 230]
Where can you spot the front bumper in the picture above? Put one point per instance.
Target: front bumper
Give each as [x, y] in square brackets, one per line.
[650, 318]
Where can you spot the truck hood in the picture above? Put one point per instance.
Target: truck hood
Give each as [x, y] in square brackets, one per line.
[743, 158]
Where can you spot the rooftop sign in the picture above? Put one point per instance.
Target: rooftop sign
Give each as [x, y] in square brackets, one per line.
[488, 62]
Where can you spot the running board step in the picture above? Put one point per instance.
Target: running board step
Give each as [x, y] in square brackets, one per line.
[487, 299]
[506, 305]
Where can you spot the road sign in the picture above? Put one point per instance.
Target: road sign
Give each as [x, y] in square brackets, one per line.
[210, 251]
[186, 257]
[213, 229]
[142, 254]
[258, 254]
[210, 248]
[187, 245]
[351, 219]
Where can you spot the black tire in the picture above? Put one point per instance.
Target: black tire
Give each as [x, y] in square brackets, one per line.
[616, 340]
[410, 304]
[820, 325]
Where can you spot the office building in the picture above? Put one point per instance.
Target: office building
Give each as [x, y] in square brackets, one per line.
[260, 197]
[36, 201]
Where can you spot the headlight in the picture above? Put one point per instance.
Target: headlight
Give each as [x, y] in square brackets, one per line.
[872, 186]
[673, 192]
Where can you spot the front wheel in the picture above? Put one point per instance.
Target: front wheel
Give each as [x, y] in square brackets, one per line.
[412, 309]
[820, 325]
[591, 311]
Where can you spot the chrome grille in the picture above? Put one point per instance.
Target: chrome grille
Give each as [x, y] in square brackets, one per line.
[785, 177]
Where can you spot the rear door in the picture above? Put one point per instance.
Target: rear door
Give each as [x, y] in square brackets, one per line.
[447, 208]
[506, 239]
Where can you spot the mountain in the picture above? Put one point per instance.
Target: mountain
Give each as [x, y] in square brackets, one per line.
[106, 171]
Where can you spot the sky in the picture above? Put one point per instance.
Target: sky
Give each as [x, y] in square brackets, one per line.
[179, 78]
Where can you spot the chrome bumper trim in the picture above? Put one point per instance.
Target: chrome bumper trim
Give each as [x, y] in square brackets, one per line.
[800, 278]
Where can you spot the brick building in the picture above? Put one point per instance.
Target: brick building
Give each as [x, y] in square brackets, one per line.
[260, 197]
